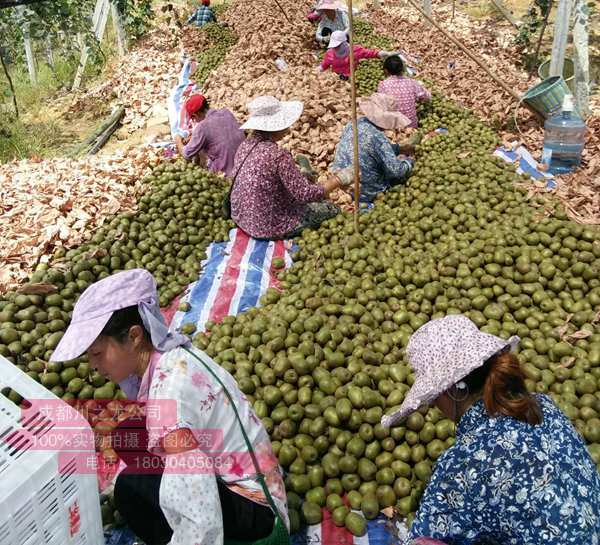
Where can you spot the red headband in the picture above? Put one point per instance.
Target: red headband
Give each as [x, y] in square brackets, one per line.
[194, 104]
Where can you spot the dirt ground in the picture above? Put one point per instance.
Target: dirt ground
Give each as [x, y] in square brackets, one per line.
[72, 131]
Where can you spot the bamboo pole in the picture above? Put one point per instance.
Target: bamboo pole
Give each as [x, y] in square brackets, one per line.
[354, 119]
[282, 11]
[458, 44]
[506, 13]
[536, 55]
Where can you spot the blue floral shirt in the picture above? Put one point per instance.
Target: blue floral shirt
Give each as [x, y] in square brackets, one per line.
[505, 482]
[377, 156]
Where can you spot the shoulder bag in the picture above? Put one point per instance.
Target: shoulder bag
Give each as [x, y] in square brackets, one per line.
[280, 534]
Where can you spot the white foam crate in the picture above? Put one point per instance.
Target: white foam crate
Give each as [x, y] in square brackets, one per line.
[38, 503]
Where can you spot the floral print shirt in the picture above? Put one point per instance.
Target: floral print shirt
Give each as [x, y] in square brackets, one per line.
[189, 495]
[379, 164]
[270, 193]
[505, 482]
[407, 93]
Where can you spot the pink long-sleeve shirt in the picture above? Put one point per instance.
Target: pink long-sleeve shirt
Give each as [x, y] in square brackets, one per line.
[341, 65]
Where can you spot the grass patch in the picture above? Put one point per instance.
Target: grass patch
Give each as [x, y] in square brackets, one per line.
[19, 140]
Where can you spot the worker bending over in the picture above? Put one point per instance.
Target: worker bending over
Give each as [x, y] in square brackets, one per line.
[337, 56]
[332, 18]
[230, 489]
[518, 472]
[215, 138]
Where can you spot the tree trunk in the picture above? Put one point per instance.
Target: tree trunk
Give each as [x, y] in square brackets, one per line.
[10, 84]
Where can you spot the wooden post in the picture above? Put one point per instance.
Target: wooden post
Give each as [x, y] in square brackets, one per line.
[505, 13]
[475, 59]
[354, 120]
[99, 21]
[581, 57]
[119, 29]
[561, 33]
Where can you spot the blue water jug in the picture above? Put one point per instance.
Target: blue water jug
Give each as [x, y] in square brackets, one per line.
[564, 139]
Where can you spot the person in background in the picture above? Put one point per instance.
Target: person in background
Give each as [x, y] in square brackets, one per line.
[337, 56]
[215, 137]
[313, 16]
[405, 90]
[203, 15]
[380, 164]
[270, 197]
[332, 18]
[518, 472]
[196, 500]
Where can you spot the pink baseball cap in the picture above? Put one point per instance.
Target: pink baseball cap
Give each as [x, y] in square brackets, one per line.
[442, 353]
[97, 304]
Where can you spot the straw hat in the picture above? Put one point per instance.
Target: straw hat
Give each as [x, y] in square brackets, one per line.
[442, 353]
[381, 110]
[269, 114]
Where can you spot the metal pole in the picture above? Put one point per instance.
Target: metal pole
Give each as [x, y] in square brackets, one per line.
[354, 119]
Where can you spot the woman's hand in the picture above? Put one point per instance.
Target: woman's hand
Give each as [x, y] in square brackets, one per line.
[341, 178]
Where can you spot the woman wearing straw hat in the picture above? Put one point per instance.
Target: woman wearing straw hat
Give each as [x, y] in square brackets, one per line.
[270, 197]
[219, 478]
[380, 164]
[337, 56]
[332, 17]
[518, 472]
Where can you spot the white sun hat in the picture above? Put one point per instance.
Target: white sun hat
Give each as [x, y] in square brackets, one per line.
[442, 353]
[269, 114]
[337, 38]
